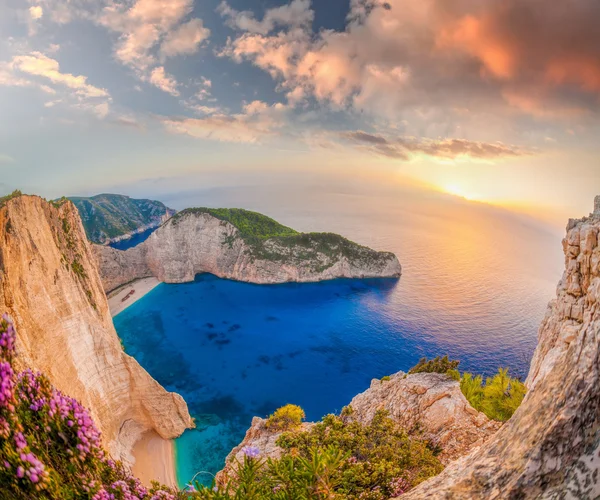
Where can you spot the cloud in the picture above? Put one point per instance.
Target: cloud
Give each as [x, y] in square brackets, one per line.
[146, 25]
[184, 40]
[36, 70]
[36, 12]
[296, 14]
[37, 64]
[401, 56]
[5, 159]
[406, 148]
[255, 123]
[165, 82]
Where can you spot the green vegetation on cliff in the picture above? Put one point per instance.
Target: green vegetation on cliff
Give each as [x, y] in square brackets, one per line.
[15, 194]
[109, 216]
[337, 458]
[498, 397]
[269, 240]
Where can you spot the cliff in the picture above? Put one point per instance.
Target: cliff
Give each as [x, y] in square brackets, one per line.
[550, 448]
[243, 246]
[49, 285]
[430, 406]
[108, 218]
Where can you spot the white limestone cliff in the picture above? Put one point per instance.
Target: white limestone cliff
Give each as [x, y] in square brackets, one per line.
[193, 243]
[49, 285]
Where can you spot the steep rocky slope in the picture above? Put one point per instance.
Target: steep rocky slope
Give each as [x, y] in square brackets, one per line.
[199, 240]
[550, 448]
[108, 218]
[429, 406]
[49, 285]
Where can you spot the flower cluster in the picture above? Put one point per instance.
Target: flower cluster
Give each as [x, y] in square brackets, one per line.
[251, 451]
[50, 446]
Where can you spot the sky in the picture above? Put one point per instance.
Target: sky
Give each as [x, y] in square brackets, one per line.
[492, 100]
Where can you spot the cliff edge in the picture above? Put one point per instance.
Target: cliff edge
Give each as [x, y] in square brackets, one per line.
[49, 285]
[240, 245]
[550, 448]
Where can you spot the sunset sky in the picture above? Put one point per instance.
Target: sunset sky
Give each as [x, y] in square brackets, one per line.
[493, 100]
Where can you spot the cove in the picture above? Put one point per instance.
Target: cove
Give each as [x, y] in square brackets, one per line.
[234, 350]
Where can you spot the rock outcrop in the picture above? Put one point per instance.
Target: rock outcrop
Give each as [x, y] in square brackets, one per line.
[430, 406]
[198, 242]
[550, 448]
[49, 285]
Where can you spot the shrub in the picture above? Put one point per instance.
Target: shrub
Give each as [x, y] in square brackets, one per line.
[336, 459]
[285, 418]
[385, 378]
[435, 365]
[498, 398]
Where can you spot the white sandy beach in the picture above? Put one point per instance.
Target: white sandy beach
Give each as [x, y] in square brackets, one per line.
[140, 288]
[154, 456]
[154, 460]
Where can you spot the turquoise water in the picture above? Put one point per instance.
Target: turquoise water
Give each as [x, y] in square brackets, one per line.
[475, 286]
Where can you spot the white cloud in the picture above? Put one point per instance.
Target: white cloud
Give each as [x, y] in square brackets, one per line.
[186, 39]
[5, 159]
[165, 82]
[257, 121]
[297, 14]
[37, 64]
[36, 12]
[36, 70]
[146, 24]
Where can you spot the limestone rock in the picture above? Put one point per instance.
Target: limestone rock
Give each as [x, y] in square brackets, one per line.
[49, 285]
[430, 406]
[550, 448]
[201, 243]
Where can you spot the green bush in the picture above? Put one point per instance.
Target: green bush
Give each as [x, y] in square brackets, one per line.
[435, 365]
[336, 459]
[385, 378]
[285, 418]
[498, 398]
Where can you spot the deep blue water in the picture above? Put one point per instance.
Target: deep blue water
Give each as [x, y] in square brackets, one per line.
[136, 239]
[475, 286]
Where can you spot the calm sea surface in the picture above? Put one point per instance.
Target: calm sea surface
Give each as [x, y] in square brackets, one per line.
[475, 285]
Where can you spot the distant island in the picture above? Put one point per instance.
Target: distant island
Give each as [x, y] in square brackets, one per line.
[241, 245]
[108, 218]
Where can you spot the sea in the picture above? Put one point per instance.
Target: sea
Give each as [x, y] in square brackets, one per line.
[475, 284]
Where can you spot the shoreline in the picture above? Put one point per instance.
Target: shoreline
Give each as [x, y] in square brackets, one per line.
[139, 288]
[154, 460]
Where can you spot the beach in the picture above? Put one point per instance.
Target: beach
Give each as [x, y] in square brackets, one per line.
[134, 291]
[154, 456]
[154, 460]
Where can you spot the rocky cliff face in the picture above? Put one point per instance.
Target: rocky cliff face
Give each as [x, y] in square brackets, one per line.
[550, 448]
[49, 285]
[195, 243]
[429, 406]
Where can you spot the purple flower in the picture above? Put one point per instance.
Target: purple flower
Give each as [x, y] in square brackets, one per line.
[251, 451]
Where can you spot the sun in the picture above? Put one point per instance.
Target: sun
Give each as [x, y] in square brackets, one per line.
[456, 190]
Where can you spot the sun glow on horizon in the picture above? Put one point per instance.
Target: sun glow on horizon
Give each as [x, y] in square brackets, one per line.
[456, 190]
